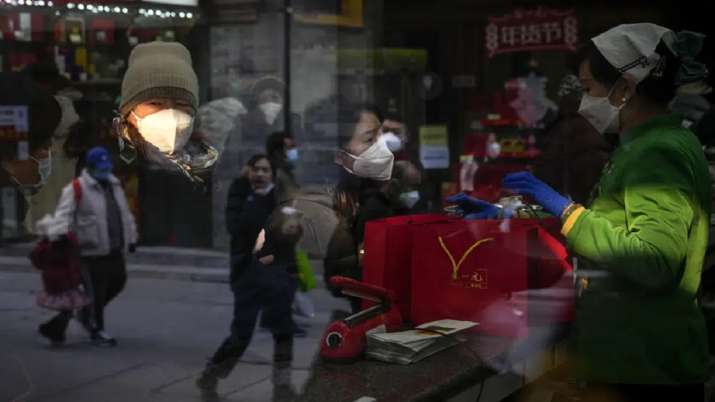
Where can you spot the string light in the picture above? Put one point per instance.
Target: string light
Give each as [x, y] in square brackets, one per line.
[96, 9]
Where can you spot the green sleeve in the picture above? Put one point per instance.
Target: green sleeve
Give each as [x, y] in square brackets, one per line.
[651, 248]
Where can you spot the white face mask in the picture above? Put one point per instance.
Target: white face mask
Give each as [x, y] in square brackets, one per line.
[493, 149]
[603, 116]
[44, 169]
[271, 111]
[292, 155]
[410, 198]
[265, 190]
[394, 143]
[168, 130]
[374, 163]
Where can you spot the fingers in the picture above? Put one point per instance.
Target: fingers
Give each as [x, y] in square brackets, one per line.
[260, 241]
[266, 260]
[518, 176]
[457, 198]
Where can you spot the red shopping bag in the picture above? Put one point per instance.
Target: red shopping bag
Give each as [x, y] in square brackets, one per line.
[469, 270]
[388, 253]
[59, 262]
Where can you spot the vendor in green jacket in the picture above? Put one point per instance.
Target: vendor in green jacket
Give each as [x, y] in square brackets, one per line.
[639, 332]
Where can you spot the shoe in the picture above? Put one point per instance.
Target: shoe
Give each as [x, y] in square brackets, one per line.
[101, 338]
[55, 338]
[83, 318]
[207, 384]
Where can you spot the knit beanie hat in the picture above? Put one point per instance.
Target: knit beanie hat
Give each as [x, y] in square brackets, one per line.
[159, 70]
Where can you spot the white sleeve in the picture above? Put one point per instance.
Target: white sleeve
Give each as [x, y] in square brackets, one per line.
[64, 214]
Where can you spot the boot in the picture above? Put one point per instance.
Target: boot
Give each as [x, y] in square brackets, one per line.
[283, 348]
[208, 382]
[283, 390]
[282, 357]
[54, 329]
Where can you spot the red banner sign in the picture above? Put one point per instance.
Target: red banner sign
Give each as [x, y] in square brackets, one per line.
[540, 29]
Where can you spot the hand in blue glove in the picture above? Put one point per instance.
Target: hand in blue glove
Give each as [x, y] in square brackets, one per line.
[525, 183]
[473, 208]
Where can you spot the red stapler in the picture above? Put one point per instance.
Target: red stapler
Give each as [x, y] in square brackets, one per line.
[345, 340]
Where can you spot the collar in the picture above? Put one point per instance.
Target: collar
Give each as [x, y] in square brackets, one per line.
[93, 182]
[666, 120]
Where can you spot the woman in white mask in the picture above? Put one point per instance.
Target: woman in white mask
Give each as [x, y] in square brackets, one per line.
[363, 194]
[639, 333]
[267, 113]
[160, 94]
[26, 158]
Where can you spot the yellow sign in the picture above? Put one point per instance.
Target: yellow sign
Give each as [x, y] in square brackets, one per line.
[433, 135]
[434, 147]
[351, 16]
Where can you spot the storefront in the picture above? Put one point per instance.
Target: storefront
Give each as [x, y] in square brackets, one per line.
[453, 74]
[80, 50]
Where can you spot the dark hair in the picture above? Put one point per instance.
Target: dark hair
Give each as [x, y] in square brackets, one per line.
[253, 160]
[44, 113]
[372, 109]
[349, 116]
[658, 86]
[276, 142]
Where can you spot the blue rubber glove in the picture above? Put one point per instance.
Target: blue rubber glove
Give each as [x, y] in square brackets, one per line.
[525, 183]
[474, 209]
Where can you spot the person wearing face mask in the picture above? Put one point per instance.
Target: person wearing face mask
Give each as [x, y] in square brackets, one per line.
[363, 194]
[251, 199]
[254, 278]
[282, 149]
[160, 94]
[106, 231]
[404, 188]
[60, 165]
[640, 242]
[267, 116]
[26, 150]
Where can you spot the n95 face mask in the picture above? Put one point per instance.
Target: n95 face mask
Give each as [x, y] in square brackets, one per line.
[599, 111]
[374, 163]
[168, 130]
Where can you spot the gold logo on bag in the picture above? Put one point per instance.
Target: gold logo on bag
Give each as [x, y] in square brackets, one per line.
[457, 265]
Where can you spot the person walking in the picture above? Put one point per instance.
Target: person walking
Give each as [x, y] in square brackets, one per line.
[106, 231]
[263, 274]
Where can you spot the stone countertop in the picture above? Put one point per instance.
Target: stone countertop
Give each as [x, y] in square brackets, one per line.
[436, 378]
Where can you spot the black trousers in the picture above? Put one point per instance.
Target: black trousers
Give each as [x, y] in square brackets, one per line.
[643, 393]
[103, 278]
[266, 288]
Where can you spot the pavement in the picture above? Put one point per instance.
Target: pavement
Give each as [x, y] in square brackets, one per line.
[168, 321]
[176, 263]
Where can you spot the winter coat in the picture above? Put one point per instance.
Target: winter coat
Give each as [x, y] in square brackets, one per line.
[641, 245]
[90, 224]
[246, 215]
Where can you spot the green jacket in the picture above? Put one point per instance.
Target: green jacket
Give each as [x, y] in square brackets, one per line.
[641, 246]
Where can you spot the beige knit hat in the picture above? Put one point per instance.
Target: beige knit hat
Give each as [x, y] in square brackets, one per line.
[159, 70]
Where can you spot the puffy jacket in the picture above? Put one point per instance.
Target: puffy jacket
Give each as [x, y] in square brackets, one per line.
[91, 218]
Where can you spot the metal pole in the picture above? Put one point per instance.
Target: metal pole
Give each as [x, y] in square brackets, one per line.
[288, 15]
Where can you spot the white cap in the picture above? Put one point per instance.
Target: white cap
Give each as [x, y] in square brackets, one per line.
[630, 48]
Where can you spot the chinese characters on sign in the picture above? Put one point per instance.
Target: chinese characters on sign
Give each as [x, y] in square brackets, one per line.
[540, 29]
